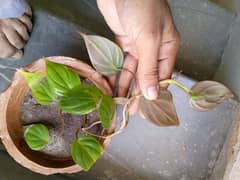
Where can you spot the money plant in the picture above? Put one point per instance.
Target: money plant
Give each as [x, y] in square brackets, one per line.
[63, 86]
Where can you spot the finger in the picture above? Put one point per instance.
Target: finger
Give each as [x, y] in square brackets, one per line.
[28, 11]
[135, 104]
[6, 50]
[111, 81]
[27, 22]
[134, 107]
[20, 28]
[129, 69]
[13, 37]
[17, 55]
[127, 75]
[110, 14]
[127, 45]
[168, 53]
[148, 50]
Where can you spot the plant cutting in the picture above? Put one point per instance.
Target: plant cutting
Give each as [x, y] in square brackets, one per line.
[107, 58]
[73, 95]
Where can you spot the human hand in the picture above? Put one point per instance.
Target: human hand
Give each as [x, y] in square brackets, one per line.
[14, 32]
[144, 29]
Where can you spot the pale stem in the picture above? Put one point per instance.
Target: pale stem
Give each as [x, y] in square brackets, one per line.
[123, 124]
[121, 100]
[173, 81]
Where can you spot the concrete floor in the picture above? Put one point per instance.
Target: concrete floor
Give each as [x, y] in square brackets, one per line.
[143, 151]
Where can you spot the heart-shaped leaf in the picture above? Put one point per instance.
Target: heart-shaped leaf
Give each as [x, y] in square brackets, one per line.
[162, 111]
[106, 56]
[32, 78]
[44, 93]
[80, 100]
[206, 95]
[36, 136]
[106, 111]
[85, 151]
[61, 78]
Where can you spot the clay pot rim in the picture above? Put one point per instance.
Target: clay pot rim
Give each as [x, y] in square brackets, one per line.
[78, 66]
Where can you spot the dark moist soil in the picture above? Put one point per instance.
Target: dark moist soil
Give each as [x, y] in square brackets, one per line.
[64, 128]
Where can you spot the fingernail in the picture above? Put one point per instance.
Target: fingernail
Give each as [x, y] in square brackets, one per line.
[152, 93]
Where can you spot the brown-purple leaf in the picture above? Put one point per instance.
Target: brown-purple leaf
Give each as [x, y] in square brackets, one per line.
[105, 55]
[161, 112]
[206, 95]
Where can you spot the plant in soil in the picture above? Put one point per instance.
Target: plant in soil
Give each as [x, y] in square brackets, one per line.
[70, 102]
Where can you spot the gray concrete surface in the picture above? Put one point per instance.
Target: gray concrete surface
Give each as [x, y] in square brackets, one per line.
[187, 152]
[9, 170]
[204, 30]
[224, 156]
[143, 151]
[229, 71]
[231, 5]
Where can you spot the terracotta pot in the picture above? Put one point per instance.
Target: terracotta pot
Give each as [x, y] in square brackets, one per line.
[11, 128]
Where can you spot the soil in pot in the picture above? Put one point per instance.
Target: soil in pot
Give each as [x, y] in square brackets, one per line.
[64, 128]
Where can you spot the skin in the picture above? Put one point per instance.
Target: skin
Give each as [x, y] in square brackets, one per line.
[146, 31]
[14, 33]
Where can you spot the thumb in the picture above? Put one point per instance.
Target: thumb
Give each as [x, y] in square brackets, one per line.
[148, 75]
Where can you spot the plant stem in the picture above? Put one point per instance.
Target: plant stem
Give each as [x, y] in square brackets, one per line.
[92, 125]
[134, 80]
[173, 81]
[123, 124]
[127, 104]
[131, 83]
[121, 100]
[85, 130]
[133, 75]
[84, 120]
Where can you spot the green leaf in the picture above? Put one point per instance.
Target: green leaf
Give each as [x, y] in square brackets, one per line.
[85, 151]
[80, 100]
[162, 111]
[36, 136]
[106, 111]
[40, 88]
[32, 78]
[206, 95]
[61, 78]
[106, 56]
[44, 93]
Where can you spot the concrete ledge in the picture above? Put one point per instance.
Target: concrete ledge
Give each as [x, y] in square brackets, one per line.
[229, 70]
[232, 171]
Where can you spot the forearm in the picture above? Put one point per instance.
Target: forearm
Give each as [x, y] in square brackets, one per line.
[12, 8]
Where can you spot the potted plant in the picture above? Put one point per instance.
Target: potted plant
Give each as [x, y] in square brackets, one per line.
[80, 95]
